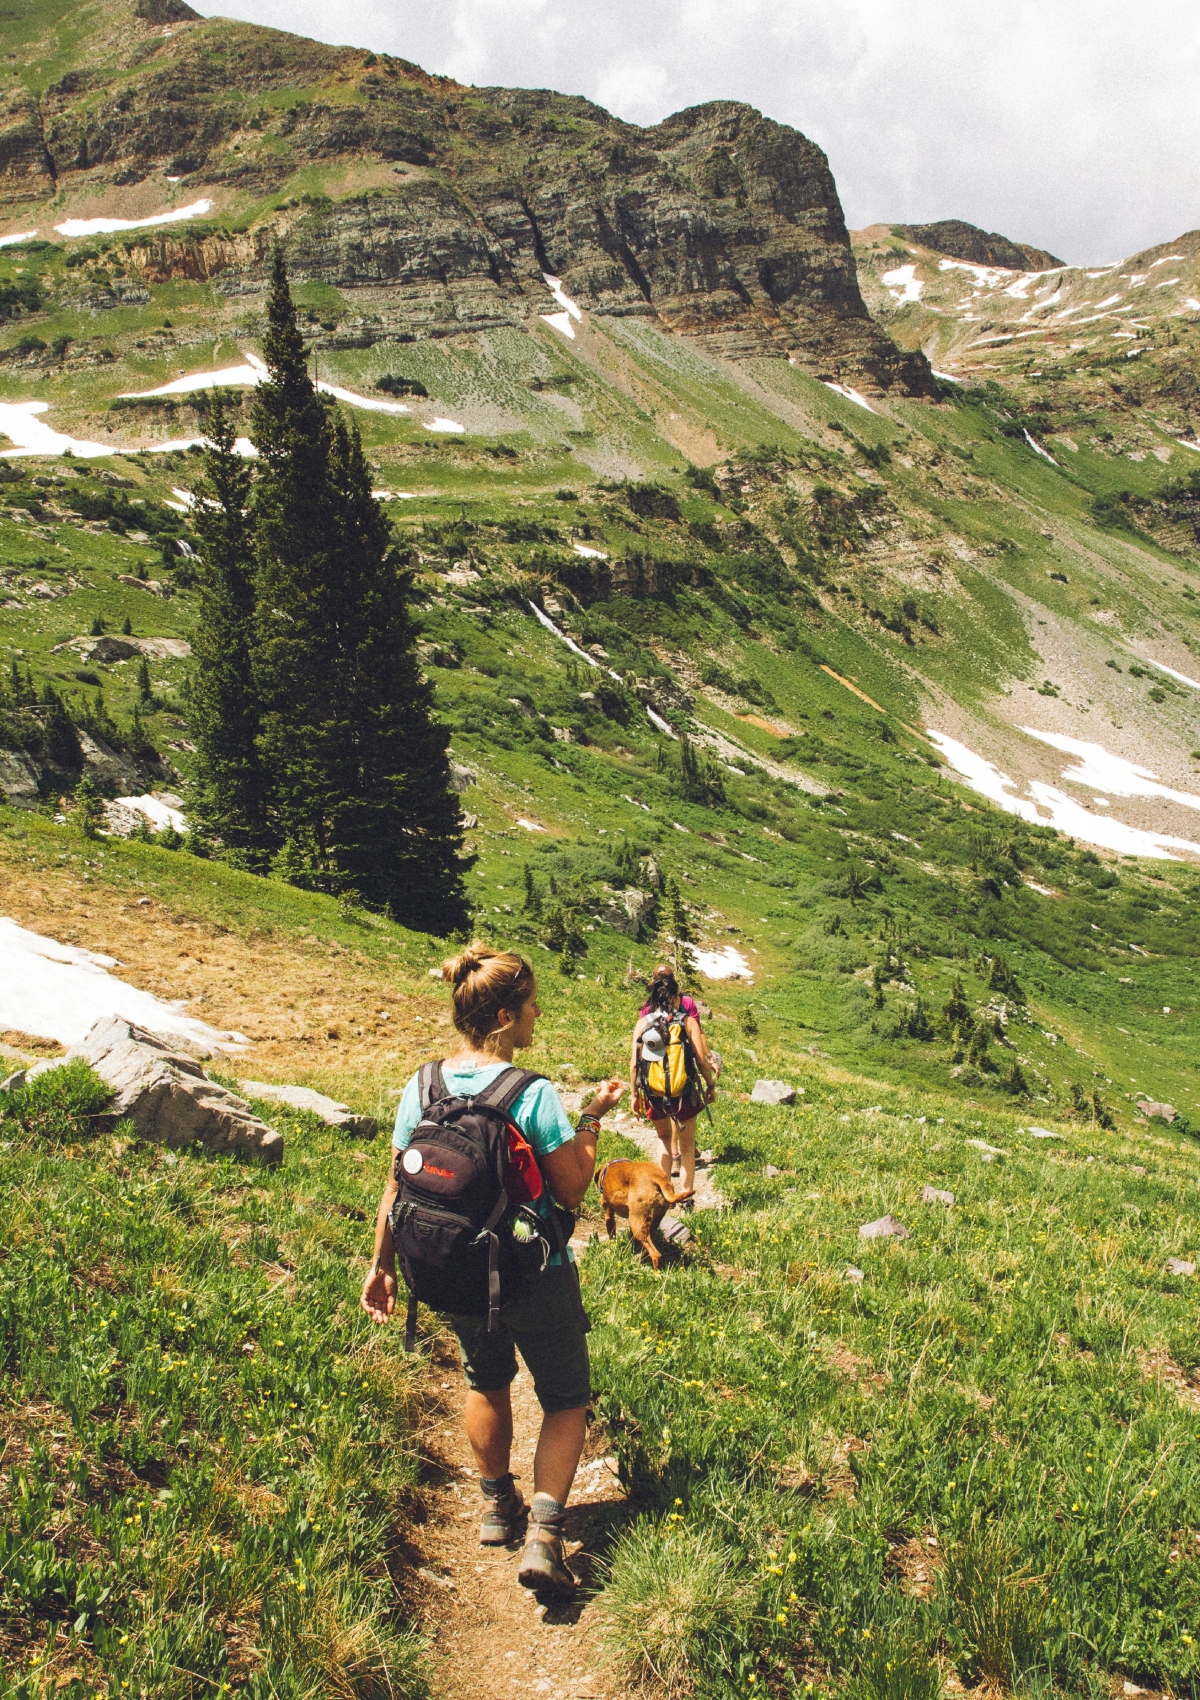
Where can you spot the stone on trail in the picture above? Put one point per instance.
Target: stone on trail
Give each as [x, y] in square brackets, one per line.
[1042, 1133]
[1180, 1266]
[329, 1110]
[931, 1195]
[167, 1095]
[773, 1092]
[882, 1228]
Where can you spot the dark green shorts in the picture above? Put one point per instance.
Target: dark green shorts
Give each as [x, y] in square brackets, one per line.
[545, 1323]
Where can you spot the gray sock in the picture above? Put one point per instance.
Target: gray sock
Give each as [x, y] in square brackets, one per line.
[548, 1512]
[496, 1487]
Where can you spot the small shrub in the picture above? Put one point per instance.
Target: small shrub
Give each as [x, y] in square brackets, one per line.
[60, 1105]
[673, 1600]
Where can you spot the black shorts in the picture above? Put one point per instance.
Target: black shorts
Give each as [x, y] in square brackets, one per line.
[546, 1324]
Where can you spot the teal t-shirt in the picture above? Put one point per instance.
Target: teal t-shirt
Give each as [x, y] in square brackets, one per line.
[538, 1112]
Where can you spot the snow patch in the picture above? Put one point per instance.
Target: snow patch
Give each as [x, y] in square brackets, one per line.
[1039, 450]
[253, 373]
[1047, 806]
[556, 289]
[158, 813]
[106, 226]
[561, 322]
[727, 964]
[850, 394]
[946, 377]
[21, 236]
[531, 825]
[394, 495]
[1104, 771]
[903, 284]
[986, 276]
[444, 425]
[1182, 677]
[19, 421]
[59, 991]
[657, 720]
[589, 554]
[241, 446]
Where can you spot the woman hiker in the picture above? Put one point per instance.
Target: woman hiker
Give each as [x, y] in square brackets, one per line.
[674, 1118]
[494, 1008]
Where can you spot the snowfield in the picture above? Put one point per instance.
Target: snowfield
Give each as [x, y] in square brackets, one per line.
[58, 991]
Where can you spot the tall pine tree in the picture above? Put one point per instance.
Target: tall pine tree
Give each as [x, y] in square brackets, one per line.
[231, 784]
[361, 797]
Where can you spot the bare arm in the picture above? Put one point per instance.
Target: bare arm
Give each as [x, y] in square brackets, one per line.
[704, 1057]
[569, 1170]
[633, 1054]
[379, 1288]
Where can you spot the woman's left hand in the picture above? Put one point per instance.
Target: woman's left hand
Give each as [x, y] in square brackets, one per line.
[607, 1096]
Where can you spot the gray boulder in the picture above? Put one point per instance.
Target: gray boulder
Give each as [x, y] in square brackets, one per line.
[167, 1095]
[626, 911]
[18, 779]
[1180, 1266]
[1149, 1107]
[773, 1092]
[304, 1098]
[882, 1228]
[933, 1195]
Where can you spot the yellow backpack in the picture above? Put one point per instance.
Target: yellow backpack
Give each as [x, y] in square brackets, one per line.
[665, 1059]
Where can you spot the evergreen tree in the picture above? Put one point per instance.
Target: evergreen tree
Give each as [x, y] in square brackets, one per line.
[89, 808]
[231, 785]
[145, 692]
[360, 775]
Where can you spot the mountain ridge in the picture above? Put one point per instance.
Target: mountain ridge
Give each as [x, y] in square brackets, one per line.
[719, 223]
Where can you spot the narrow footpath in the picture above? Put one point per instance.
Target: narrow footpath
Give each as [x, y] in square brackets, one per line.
[489, 1638]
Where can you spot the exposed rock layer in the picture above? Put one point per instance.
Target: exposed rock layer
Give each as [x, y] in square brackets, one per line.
[720, 223]
[964, 241]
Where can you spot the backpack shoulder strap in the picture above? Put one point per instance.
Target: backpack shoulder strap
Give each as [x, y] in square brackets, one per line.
[504, 1091]
[430, 1084]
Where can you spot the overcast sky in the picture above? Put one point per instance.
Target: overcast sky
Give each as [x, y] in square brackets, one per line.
[1067, 123]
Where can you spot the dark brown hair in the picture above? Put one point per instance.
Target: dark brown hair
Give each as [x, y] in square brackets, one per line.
[664, 988]
[486, 981]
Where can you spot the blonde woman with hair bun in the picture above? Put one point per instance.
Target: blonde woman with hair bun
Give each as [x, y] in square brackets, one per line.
[495, 1009]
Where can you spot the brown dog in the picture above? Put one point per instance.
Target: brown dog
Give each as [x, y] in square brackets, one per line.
[639, 1191]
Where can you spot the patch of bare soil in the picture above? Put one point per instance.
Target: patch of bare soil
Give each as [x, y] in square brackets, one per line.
[310, 1008]
[490, 1639]
[1160, 1366]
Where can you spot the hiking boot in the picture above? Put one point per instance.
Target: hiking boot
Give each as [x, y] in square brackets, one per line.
[542, 1567]
[504, 1515]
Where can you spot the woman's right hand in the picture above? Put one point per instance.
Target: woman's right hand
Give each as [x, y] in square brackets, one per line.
[607, 1096]
[379, 1294]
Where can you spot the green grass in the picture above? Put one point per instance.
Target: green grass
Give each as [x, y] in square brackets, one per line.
[205, 1457]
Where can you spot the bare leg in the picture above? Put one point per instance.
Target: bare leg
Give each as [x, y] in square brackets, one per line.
[665, 1130]
[559, 1448]
[687, 1155]
[489, 1424]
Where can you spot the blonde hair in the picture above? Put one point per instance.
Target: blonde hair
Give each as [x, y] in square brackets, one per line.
[486, 981]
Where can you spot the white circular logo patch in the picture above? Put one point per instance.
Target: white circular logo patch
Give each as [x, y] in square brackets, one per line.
[412, 1162]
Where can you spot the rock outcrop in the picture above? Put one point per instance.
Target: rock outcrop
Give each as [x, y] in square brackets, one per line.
[333, 1114]
[718, 223]
[964, 241]
[168, 1097]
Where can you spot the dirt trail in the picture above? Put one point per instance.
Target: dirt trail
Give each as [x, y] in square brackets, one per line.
[490, 1638]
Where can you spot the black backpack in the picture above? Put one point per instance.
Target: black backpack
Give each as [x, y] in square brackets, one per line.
[462, 1246]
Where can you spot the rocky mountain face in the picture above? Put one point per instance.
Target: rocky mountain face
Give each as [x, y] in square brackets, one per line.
[964, 241]
[719, 224]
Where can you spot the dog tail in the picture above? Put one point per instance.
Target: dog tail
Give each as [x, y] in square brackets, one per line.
[675, 1197]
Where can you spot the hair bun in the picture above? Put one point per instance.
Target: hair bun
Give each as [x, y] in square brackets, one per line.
[456, 968]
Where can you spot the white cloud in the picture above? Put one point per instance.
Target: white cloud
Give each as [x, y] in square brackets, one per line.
[1066, 124]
